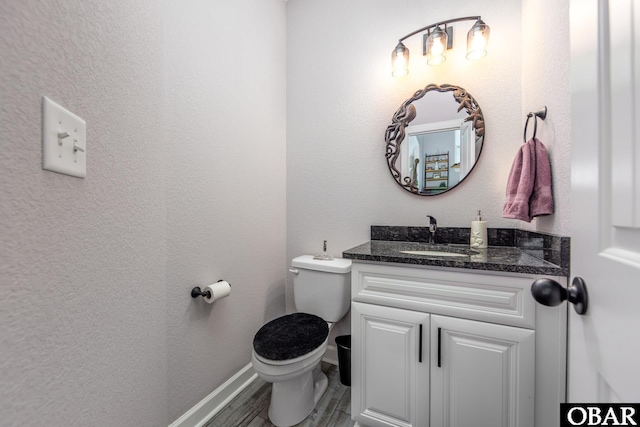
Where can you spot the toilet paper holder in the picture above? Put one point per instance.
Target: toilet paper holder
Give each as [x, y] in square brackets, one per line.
[197, 292]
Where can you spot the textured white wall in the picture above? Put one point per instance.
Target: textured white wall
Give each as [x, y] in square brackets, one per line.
[83, 305]
[185, 185]
[545, 81]
[225, 117]
[341, 97]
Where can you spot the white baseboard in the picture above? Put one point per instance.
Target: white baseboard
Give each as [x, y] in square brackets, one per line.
[208, 407]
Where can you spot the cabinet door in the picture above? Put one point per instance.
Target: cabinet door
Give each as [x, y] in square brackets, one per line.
[482, 374]
[390, 366]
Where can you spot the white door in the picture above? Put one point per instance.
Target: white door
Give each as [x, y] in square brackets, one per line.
[604, 344]
[390, 379]
[467, 149]
[482, 374]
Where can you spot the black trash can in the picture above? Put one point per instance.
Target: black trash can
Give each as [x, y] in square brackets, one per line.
[344, 358]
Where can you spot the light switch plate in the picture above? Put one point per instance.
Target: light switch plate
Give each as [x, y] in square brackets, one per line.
[64, 140]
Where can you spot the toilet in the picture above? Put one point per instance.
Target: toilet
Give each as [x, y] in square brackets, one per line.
[287, 351]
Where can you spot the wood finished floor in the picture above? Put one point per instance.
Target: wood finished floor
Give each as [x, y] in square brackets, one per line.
[250, 408]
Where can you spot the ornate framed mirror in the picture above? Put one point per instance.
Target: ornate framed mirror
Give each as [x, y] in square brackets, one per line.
[434, 139]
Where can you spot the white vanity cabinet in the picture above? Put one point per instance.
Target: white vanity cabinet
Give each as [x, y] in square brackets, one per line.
[434, 347]
[391, 381]
[482, 374]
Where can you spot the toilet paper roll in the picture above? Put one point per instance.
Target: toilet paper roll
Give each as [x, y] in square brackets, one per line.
[217, 290]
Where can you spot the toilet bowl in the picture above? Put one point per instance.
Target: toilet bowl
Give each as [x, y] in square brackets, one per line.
[288, 350]
[298, 384]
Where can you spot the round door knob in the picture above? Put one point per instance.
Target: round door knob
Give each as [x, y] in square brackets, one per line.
[551, 293]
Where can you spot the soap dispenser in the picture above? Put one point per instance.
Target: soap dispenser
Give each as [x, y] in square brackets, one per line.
[478, 233]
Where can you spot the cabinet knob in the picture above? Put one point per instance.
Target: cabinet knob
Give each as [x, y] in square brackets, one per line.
[551, 293]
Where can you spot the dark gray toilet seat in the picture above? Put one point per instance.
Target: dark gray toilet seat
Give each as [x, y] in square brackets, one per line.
[290, 336]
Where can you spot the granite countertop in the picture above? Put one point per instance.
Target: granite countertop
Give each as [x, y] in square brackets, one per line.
[527, 255]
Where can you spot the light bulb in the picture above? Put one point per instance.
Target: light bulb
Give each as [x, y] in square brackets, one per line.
[477, 40]
[437, 48]
[436, 45]
[400, 61]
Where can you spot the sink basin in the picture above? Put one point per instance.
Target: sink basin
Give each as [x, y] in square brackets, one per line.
[434, 253]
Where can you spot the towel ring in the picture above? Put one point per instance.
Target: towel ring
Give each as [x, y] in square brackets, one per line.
[540, 113]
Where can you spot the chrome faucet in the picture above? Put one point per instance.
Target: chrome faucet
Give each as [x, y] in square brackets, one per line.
[433, 226]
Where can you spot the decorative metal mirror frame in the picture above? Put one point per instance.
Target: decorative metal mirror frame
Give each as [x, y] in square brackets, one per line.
[395, 132]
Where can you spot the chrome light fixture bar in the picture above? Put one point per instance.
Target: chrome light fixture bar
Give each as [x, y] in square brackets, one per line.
[437, 40]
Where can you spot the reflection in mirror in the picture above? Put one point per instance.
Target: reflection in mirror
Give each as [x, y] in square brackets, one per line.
[442, 128]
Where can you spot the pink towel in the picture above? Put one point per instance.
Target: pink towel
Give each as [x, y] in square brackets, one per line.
[529, 186]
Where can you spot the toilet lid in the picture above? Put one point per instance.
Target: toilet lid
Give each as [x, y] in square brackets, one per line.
[290, 336]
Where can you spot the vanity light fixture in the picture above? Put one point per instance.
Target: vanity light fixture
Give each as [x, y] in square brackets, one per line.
[437, 40]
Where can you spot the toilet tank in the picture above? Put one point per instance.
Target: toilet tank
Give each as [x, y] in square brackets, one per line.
[322, 287]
